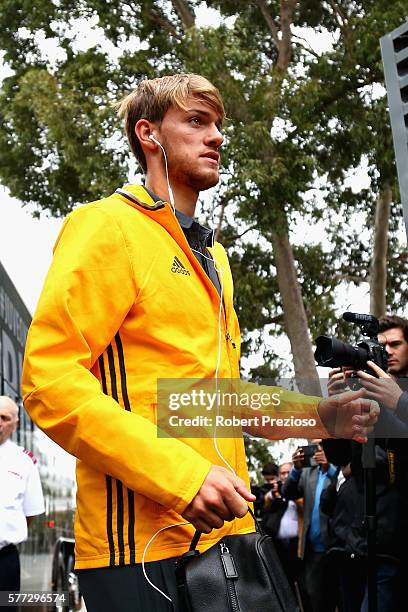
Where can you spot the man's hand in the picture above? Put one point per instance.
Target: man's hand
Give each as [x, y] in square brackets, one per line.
[383, 389]
[349, 415]
[337, 381]
[222, 497]
[298, 458]
[320, 458]
[273, 493]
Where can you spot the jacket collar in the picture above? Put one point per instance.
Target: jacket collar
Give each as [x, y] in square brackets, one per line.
[147, 200]
[139, 198]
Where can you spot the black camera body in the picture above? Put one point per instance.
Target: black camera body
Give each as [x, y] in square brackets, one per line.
[333, 353]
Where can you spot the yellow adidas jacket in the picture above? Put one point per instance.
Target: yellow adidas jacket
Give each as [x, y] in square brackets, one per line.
[114, 317]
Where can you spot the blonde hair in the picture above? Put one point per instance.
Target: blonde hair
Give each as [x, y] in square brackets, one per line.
[152, 98]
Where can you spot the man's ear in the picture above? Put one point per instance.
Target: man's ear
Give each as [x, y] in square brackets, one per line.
[143, 130]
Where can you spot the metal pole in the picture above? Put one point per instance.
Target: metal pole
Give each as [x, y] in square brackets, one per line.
[394, 50]
[368, 462]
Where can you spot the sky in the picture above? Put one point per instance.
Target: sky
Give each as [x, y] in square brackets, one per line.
[25, 247]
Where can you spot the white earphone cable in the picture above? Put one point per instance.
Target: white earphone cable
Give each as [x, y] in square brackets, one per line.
[171, 196]
[144, 557]
[219, 272]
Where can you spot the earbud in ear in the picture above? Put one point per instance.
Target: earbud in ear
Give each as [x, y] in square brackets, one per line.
[171, 196]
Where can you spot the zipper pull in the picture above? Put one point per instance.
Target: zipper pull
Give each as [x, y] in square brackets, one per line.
[228, 336]
[228, 563]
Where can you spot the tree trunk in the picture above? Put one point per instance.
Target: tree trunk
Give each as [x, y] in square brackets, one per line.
[378, 271]
[185, 13]
[296, 325]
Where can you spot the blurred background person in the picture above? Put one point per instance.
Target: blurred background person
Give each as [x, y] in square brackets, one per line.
[21, 496]
[317, 580]
[391, 481]
[270, 473]
[281, 522]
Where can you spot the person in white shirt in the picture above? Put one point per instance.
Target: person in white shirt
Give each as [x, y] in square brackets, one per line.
[281, 522]
[21, 496]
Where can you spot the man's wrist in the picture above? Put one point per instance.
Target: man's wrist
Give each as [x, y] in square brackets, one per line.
[402, 407]
[327, 416]
[394, 407]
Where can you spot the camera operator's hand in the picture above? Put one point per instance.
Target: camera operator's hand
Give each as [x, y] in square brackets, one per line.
[349, 415]
[383, 389]
[346, 470]
[337, 382]
[298, 458]
[275, 489]
[274, 492]
[320, 458]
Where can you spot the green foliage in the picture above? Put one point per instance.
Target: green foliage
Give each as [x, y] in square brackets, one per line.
[259, 453]
[254, 277]
[53, 132]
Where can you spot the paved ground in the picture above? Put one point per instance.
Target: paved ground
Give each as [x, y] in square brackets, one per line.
[36, 576]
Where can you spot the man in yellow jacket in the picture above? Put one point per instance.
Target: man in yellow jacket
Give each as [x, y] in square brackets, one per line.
[137, 292]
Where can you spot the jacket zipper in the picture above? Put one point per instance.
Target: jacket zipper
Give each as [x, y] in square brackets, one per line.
[228, 337]
[207, 271]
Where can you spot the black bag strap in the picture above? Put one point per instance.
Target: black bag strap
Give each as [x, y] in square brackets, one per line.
[197, 534]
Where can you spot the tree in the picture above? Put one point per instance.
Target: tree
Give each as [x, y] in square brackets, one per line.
[60, 142]
[357, 128]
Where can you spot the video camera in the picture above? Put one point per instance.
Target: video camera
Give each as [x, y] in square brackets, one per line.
[333, 353]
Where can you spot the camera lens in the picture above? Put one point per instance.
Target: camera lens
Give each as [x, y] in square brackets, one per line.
[334, 353]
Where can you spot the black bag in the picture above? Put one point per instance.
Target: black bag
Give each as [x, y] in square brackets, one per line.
[241, 573]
